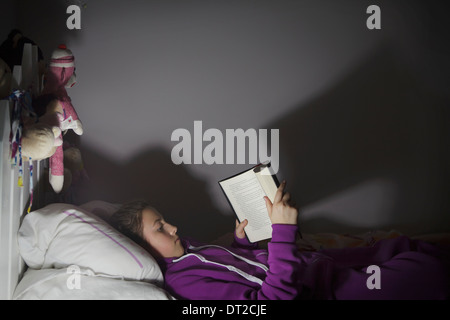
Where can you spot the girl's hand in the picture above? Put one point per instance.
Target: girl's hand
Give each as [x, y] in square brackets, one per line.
[240, 233]
[281, 211]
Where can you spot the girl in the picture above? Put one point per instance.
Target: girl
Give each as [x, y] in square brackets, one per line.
[404, 268]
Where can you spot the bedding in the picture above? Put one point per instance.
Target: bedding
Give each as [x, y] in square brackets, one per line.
[52, 284]
[58, 236]
[61, 242]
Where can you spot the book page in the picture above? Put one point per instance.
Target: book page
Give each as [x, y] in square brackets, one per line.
[247, 198]
[267, 182]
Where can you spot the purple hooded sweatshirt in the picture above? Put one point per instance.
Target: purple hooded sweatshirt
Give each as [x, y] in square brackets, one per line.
[408, 269]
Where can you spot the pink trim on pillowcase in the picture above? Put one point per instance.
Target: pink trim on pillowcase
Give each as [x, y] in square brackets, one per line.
[108, 236]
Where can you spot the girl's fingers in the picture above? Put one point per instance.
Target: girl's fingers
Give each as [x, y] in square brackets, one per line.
[279, 193]
[268, 205]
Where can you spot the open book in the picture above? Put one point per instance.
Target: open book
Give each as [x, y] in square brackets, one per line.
[245, 192]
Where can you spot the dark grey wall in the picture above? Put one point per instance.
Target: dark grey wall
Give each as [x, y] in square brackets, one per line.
[8, 20]
[363, 115]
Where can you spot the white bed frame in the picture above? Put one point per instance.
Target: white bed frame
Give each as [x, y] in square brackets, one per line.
[14, 200]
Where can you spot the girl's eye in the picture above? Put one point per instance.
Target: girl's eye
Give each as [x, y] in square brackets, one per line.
[161, 226]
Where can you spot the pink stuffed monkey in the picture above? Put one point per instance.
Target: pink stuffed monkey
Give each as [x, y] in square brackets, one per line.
[61, 75]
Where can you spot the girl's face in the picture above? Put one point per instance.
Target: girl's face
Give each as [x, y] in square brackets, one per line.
[161, 236]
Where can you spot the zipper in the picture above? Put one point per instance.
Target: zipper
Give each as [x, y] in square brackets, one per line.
[230, 268]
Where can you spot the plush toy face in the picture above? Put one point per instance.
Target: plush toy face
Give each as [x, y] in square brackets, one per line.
[57, 78]
[40, 141]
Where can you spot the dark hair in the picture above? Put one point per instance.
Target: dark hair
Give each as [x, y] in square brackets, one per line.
[128, 219]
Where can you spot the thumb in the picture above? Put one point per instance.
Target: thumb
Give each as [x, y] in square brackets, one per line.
[240, 228]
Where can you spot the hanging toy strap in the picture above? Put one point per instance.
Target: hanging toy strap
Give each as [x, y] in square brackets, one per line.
[15, 135]
[30, 161]
[20, 179]
[21, 105]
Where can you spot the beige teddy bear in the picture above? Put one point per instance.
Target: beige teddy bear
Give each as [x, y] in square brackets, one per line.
[40, 141]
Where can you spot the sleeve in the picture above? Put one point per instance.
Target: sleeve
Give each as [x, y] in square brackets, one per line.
[282, 281]
[243, 243]
[279, 284]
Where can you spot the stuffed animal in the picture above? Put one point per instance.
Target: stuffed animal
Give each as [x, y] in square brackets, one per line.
[40, 135]
[40, 141]
[74, 171]
[74, 175]
[59, 76]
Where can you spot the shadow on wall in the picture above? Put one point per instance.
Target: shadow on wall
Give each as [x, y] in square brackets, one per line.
[182, 199]
[45, 23]
[376, 122]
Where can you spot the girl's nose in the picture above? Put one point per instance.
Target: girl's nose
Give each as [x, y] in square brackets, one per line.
[172, 230]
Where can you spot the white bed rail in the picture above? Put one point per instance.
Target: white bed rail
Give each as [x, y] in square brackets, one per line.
[14, 200]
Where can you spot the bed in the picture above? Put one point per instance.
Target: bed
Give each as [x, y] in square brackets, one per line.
[60, 251]
[73, 253]
[15, 200]
[63, 251]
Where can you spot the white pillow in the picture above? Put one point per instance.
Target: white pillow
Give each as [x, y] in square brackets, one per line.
[60, 235]
[52, 284]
